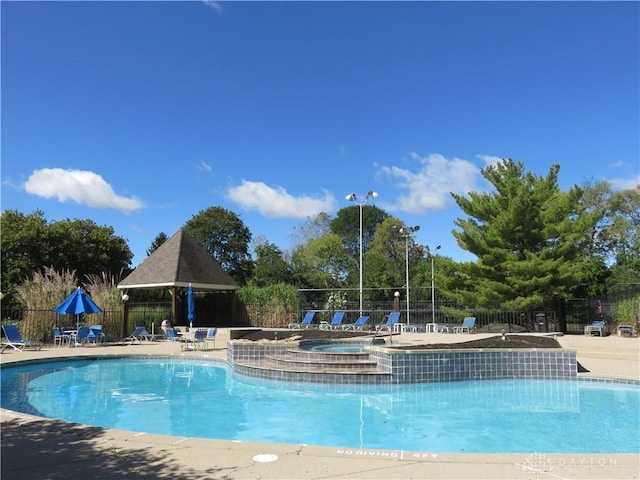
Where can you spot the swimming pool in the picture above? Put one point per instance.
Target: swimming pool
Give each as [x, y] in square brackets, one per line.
[205, 399]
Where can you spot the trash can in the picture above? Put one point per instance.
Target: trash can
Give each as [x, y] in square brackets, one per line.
[541, 320]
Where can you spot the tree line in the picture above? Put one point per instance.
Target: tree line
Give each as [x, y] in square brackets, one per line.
[531, 241]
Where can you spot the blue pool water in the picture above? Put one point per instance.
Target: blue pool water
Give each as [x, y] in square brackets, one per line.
[205, 399]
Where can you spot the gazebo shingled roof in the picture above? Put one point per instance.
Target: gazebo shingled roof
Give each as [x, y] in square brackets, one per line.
[175, 264]
[178, 262]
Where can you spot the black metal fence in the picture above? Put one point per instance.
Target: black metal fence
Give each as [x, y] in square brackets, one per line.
[569, 316]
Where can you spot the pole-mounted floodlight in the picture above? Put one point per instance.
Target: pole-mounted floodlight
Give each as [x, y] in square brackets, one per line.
[353, 198]
[407, 232]
[433, 287]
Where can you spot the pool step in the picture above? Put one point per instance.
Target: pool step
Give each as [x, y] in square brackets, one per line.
[299, 365]
[314, 375]
[301, 361]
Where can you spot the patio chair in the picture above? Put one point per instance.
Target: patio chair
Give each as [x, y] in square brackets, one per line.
[172, 336]
[95, 334]
[306, 321]
[60, 338]
[357, 325]
[598, 327]
[80, 337]
[197, 342]
[468, 324]
[392, 319]
[14, 340]
[335, 323]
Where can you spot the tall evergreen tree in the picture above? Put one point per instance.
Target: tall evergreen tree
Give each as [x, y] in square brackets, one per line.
[159, 240]
[529, 238]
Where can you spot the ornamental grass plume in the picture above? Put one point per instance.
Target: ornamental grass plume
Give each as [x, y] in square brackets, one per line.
[39, 295]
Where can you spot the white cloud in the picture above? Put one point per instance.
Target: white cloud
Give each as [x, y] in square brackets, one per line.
[430, 186]
[217, 6]
[625, 183]
[489, 159]
[275, 202]
[204, 166]
[81, 186]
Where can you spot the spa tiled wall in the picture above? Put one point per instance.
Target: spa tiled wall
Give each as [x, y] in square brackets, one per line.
[408, 366]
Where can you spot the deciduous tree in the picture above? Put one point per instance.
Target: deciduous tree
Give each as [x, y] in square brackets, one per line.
[223, 234]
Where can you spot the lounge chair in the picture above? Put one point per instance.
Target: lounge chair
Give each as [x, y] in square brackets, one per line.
[357, 325]
[14, 340]
[416, 327]
[598, 327]
[392, 319]
[468, 324]
[306, 321]
[335, 323]
[444, 328]
[140, 333]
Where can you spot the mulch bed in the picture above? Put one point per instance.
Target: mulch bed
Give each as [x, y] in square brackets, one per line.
[511, 341]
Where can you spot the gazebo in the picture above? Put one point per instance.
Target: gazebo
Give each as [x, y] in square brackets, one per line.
[175, 264]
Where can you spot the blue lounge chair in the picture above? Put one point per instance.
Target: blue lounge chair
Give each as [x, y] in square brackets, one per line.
[468, 324]
[392, 319]
[14, 340]
[357, 325]
[306, 321]
[335, 323]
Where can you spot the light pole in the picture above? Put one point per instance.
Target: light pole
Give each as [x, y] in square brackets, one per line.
[125, 319]
[352, 198]
[433, 287]
[407, 232]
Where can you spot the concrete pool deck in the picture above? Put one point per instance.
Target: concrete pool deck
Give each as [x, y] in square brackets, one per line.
[33, 447]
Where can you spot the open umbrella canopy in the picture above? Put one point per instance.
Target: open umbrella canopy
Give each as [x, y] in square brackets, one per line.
[191, 306]
[76, 303]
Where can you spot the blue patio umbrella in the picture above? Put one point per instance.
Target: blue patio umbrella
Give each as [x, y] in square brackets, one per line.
[191, 307]
[76, 303]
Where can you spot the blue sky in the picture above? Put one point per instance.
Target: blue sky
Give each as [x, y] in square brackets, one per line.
[138, 115]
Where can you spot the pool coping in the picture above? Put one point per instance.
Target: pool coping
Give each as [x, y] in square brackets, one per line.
[187, 458]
